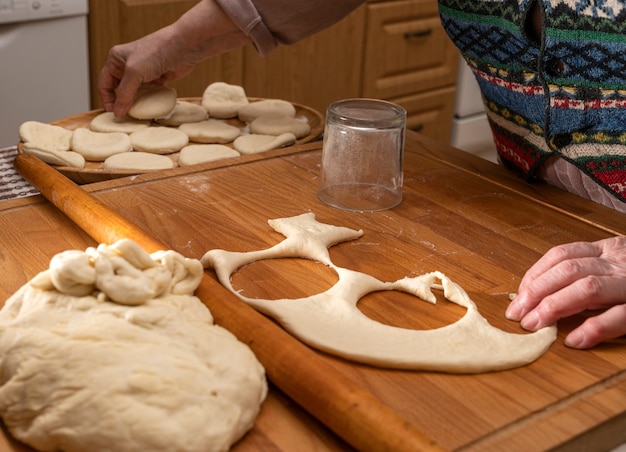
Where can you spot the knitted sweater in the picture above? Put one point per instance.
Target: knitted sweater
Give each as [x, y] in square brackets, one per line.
[562, 92]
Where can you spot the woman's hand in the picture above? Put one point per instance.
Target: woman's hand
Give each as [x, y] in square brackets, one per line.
[573, 278]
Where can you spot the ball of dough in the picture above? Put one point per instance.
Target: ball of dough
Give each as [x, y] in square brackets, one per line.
[222, 100]
[46, 137]
[210, 131]
[253, 110]
[108, 122]
[138, 161]
[201, 153]
[254, 143]
[159, 140]
[278, 124]
[184, 112]
[98, 146]
[59, 158]
[153, 101]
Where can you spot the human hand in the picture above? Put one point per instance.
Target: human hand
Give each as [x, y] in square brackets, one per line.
[573, 278]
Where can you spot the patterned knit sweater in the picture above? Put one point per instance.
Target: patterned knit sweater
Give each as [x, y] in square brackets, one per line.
[561, 92]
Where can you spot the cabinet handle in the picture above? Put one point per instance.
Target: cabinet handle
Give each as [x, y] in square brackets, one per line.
[417, 35]
[417, 127]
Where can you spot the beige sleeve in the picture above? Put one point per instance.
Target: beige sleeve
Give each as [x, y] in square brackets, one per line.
[272, 22]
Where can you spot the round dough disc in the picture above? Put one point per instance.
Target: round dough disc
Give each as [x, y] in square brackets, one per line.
[138, 161]
[183, 113]
[201, 153]
[254, 143]
[159, 140]
[253, 110]
[222, 100]
[278, 124]
[108, 122]
[153, 101]
[46, 137]
[210, 131]
[98, 146]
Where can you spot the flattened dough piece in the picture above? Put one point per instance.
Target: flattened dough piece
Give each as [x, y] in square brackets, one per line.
[210, 131]
[138, 161]
[108, 122]
[254, 143]
[153, 101]
[60, 158]
[201, 153]
[98, 146]
[183, 113]
[223, 100]
[45, 137]
[253, 110]
[159, 140]
[272, 124]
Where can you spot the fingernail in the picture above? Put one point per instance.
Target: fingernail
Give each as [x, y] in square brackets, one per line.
[530, 321]
[513, 312]
[576, 339]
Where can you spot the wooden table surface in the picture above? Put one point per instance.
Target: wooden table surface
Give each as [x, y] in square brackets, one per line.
[461, 215]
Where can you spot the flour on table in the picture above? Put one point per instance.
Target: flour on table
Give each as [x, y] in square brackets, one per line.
[330, 321]
[108, 349]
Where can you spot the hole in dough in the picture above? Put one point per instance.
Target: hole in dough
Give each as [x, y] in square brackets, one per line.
[273, 279]
[402, 310]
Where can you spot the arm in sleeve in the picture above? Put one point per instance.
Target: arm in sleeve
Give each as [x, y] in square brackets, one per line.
[272, 22]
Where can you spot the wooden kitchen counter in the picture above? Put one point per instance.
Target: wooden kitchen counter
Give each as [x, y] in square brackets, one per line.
[461, 215]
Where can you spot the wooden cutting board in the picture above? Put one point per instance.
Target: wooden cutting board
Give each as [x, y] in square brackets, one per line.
[459, 215]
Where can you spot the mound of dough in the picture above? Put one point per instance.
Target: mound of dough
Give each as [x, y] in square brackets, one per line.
[108, 122]
[98, 146]
[210, 131]
[159, 140]
[138, 161]
[183, 113]
[61, 158]
[254, 143]
[201, 153]
[45, 137]
[253, 110]
[278, 124]
[153, 101]
[223, 100]
[332, 322]
[82, 371]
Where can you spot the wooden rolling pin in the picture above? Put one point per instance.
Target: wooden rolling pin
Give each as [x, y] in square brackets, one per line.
[338, 402]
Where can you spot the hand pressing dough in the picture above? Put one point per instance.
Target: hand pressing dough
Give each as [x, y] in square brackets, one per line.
[108, 349]
[272, 124]
[331, 321]
[159, 140]
[211, 131]
[138, 161]
[153, 101]
[223, 100]
[255, 143]
[253, 110]
[98, 146]
[108, 122]
[61, 158]
[200, 153]
[183, 113]
[45, 137]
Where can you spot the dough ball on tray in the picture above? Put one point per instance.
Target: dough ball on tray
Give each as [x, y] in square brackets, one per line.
[273, 124]
[138, 161]
[210, 131]
[159, 140]
[254, 143]
[201, 153]
[45, 137]
[108, 122]
[183, 113]
[98, 146]
[59, 158]
[253, 110]
[223, 100]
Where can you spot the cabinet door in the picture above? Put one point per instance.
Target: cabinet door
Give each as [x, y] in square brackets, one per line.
[430, 113]
[314, 72]
[407, 50]
[118, 21]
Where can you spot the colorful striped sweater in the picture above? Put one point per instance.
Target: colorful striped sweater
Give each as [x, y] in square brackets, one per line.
[563, 92]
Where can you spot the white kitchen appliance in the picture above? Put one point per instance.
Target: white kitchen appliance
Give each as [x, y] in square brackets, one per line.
[44, 55]
[470, 127]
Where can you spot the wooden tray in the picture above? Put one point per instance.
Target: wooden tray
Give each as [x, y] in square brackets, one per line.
[94, 172]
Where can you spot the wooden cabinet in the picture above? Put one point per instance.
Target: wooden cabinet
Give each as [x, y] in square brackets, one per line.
[395, 50]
